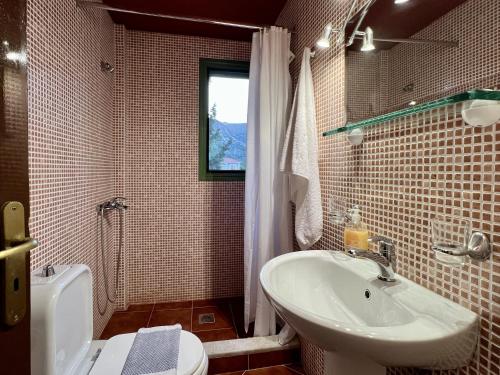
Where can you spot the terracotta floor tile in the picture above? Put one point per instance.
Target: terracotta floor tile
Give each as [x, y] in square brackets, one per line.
[169, 317]
[174, 305]
[232, 373]
[222, 314]
[125, 322]
[217, 335]
[296, 367]
[274, 358]
[228, 364]
[275, 370]
[140, 307]
[214, 302]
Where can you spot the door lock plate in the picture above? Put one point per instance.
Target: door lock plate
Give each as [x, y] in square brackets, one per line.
[13, 280]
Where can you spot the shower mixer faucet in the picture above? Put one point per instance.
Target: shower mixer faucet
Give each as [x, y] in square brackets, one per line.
[116, 203]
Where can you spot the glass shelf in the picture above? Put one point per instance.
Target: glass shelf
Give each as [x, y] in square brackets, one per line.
[468, 95]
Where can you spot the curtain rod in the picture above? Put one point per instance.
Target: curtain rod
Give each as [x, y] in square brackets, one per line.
[96, 5]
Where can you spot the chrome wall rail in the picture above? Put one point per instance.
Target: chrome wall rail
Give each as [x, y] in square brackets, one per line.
[96, 5]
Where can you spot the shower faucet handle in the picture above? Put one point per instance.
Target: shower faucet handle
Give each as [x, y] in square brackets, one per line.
[119, 203]
[116, 203]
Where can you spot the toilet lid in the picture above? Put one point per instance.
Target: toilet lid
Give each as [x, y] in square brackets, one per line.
[114, 354]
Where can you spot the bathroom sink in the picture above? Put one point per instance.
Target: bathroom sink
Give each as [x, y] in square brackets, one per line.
[338, 303]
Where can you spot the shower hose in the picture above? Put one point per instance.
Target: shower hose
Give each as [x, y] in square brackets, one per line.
[100, 231]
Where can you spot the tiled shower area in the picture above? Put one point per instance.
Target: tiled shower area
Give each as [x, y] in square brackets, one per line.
[210, 320]
[130, 133]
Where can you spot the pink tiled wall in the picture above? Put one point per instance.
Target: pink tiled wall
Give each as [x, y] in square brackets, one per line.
[367, 84]
[71, 156]
[132, 133]
[119, 121]
[406, 172]
[184, 237]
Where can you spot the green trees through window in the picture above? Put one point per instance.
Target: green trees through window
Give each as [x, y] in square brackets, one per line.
[218, 146]
[223, 114]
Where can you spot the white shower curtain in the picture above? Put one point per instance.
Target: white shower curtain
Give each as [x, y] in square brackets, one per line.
[268, 231]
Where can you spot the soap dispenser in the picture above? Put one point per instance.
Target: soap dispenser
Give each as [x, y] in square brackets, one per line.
[355, 233]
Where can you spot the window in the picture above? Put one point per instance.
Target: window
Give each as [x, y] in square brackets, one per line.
[223, 120]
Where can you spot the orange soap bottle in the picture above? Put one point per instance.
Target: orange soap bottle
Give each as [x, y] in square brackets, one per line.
[356, 233]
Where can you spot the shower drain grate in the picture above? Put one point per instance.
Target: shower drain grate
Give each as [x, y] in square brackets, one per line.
[206, 318]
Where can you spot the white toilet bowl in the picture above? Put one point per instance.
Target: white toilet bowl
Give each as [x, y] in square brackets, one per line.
[62, 326]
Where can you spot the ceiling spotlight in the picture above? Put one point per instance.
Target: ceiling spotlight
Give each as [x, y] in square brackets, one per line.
[368, 40]
[400, 1]
[324, 41]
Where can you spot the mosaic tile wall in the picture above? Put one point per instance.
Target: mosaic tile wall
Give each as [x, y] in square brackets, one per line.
[71, 157]
[184, 237]
[408, 171]
[367, 82]
[119, 121]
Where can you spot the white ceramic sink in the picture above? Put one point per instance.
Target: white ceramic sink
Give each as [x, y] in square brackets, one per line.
[363, 323]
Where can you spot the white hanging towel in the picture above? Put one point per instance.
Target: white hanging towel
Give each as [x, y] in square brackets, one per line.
[300, 159]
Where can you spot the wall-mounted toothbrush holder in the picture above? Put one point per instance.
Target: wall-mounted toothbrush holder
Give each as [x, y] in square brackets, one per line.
[478, 247]
[454, 241]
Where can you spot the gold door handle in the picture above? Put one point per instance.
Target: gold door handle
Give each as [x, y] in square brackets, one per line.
[22, 248]
[13, 278]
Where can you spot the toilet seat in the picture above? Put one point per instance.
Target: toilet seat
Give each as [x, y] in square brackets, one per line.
[192, 358]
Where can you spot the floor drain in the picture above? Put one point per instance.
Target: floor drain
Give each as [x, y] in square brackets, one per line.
[206, 318]
[367, 294]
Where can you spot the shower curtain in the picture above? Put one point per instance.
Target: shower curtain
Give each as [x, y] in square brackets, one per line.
[268, 231]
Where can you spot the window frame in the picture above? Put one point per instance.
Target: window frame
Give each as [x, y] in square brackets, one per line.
[207, 66]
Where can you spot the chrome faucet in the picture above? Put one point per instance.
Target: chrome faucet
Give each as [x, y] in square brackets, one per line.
[385, 258]
[117, 203]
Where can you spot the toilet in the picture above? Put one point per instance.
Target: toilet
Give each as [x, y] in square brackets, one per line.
[62, 326]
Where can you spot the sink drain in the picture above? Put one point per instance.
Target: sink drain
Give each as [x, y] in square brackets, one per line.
[367, 294]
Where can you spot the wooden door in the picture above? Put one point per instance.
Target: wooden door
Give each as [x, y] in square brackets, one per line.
[14, 338]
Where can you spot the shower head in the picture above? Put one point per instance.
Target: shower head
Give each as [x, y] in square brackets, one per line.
[107, 67]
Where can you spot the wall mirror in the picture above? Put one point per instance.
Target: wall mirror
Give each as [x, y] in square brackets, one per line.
[414, 51]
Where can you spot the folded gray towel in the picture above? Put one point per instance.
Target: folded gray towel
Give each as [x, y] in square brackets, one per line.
[154, 351]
